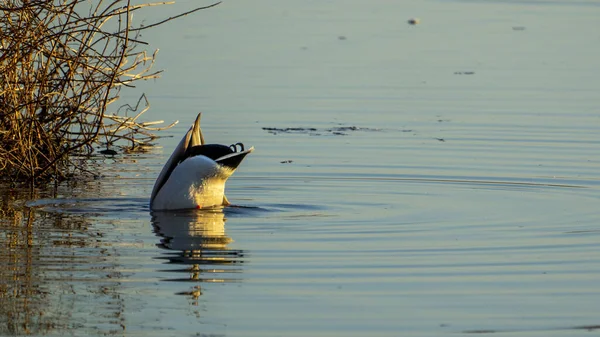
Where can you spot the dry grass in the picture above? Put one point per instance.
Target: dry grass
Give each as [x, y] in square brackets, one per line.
[62, 64]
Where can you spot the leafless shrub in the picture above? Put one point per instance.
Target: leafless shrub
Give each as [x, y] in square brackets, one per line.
[62, 63]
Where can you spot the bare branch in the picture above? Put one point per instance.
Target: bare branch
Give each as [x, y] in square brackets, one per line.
[61, 68]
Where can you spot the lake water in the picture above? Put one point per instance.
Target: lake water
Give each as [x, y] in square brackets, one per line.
[437, 179]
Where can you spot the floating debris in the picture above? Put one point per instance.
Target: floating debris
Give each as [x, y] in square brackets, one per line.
[287, 161]
[336, 131]
[109, 152]
[289, 130]
[464, 73]
[414, 21]
[518, 28]
[345, 128]
[341, 37]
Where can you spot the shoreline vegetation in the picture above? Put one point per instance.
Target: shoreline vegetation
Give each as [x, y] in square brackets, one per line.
[62, 65]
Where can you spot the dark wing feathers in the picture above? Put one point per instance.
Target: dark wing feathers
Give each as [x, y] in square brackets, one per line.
[212, 151]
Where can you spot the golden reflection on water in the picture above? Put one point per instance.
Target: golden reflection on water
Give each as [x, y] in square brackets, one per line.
[18, 282]
[197, 240]
[41, 270]
[67, 265]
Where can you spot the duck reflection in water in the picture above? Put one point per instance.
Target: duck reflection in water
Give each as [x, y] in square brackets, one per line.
[196, 239]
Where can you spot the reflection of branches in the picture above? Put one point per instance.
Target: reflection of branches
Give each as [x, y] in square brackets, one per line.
[62, 63]
[24, 297]
[45, 256]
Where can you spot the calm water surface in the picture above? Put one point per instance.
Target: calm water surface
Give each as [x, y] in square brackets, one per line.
[427, 180]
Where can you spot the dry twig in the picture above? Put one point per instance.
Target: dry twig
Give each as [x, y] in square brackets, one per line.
[62, 64]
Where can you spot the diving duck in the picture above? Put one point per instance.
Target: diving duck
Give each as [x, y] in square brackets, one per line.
[195, 174]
